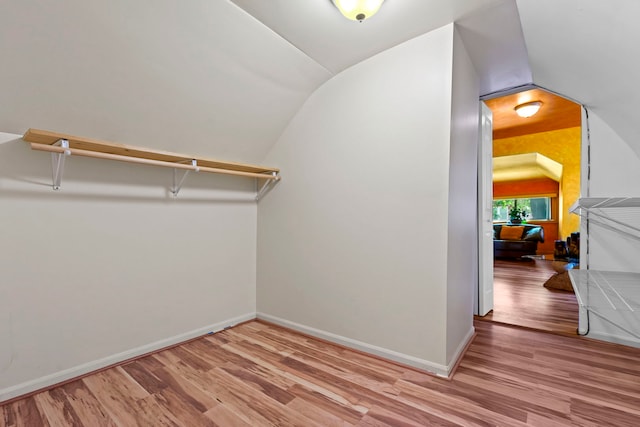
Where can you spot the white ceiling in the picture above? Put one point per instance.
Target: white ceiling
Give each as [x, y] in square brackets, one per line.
[317, 28]
[223, 78]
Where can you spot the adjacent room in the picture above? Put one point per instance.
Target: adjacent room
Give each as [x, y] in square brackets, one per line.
[536, 180]
[254, 213]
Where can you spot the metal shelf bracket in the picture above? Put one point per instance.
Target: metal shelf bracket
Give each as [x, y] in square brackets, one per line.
[57, 162]
[267, 185]
[177, 183]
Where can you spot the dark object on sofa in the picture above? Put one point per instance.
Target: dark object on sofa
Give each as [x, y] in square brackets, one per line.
[514, 241]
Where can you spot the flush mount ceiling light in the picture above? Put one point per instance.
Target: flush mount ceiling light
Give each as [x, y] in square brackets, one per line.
[358, 10]
[528, 109]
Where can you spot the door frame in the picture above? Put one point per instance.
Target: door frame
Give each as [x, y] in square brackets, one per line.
[483, 296]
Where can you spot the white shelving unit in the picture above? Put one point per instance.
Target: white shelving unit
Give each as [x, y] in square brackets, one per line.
[609, 301]
[612, 296]
[619, 214]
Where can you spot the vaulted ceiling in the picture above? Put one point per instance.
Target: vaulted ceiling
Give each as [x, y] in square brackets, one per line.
[223, 78]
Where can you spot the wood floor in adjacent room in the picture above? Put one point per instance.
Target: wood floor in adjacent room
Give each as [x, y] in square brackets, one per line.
[257, 374]
[519, 298]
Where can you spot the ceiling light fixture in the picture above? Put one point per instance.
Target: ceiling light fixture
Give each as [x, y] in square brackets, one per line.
[358, 10]
[528, 109]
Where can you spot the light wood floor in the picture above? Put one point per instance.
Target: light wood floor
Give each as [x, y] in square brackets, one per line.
[260, 375]
[520, 299]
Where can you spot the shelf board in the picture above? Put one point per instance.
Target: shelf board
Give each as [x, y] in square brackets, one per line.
[608, 202]
[50, 138]
[613, 290]
[619, 214]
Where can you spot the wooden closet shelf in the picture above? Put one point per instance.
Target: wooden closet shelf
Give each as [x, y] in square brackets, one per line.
[114, 151]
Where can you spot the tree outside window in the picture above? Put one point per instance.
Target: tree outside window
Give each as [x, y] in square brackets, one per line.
[537, 208]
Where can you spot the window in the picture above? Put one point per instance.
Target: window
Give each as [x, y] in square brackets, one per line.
[535, 208]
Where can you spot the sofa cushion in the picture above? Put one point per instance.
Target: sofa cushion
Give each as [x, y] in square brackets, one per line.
[534, 233]
[511, 233]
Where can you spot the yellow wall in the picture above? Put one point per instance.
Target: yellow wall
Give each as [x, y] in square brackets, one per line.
[563, 146]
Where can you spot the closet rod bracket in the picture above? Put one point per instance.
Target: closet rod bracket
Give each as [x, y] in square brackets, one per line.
[177, 183]
[57, 162]
[267, 185]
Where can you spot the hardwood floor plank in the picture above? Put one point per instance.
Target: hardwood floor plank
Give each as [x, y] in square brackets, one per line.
[89, 410]
[234, 402]
[24, 413]
[146, 379]
[368, 421]
[261, 375]
[317, 414]
[473, 397]
[593, 413]
[263, 386]
[189, 391]
[322, 388]
[366, 396]
[273, 411]
[340, 368]
[190, 358]
[224, 417]
[56, 408]
[336, 360]
[118, 394]
[364, 361]
[388, 418]
[550, 383]
[325, 403]
[537, 400]
[182, 408]
[464, 410]
[521, 299]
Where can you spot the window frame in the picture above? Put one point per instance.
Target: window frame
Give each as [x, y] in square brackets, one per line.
[550, 203]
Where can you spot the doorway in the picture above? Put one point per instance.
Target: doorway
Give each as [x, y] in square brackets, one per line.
[536, 164]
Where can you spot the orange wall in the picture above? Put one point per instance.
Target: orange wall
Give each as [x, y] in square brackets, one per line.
[563, 146]
[550, 236]
[529, 187]
[535, 187]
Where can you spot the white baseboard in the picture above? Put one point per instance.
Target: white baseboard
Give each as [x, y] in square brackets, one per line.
[460, 350]
[425, 365]
[80, 370]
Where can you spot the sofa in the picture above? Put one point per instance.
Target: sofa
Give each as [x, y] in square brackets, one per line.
[515, 241]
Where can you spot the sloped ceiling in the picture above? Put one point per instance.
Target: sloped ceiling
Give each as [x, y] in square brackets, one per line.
[494, 40]
[207, 77]
[587, 50]
[222, 79]
[199, 77]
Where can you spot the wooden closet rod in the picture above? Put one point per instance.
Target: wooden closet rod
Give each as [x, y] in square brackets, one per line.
[140, 160]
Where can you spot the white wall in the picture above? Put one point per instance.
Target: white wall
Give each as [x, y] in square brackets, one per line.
[352, 244]
[462, 257]
[110, 265]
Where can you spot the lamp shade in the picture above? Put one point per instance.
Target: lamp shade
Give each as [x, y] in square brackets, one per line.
[358, 10]
[528, 109]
